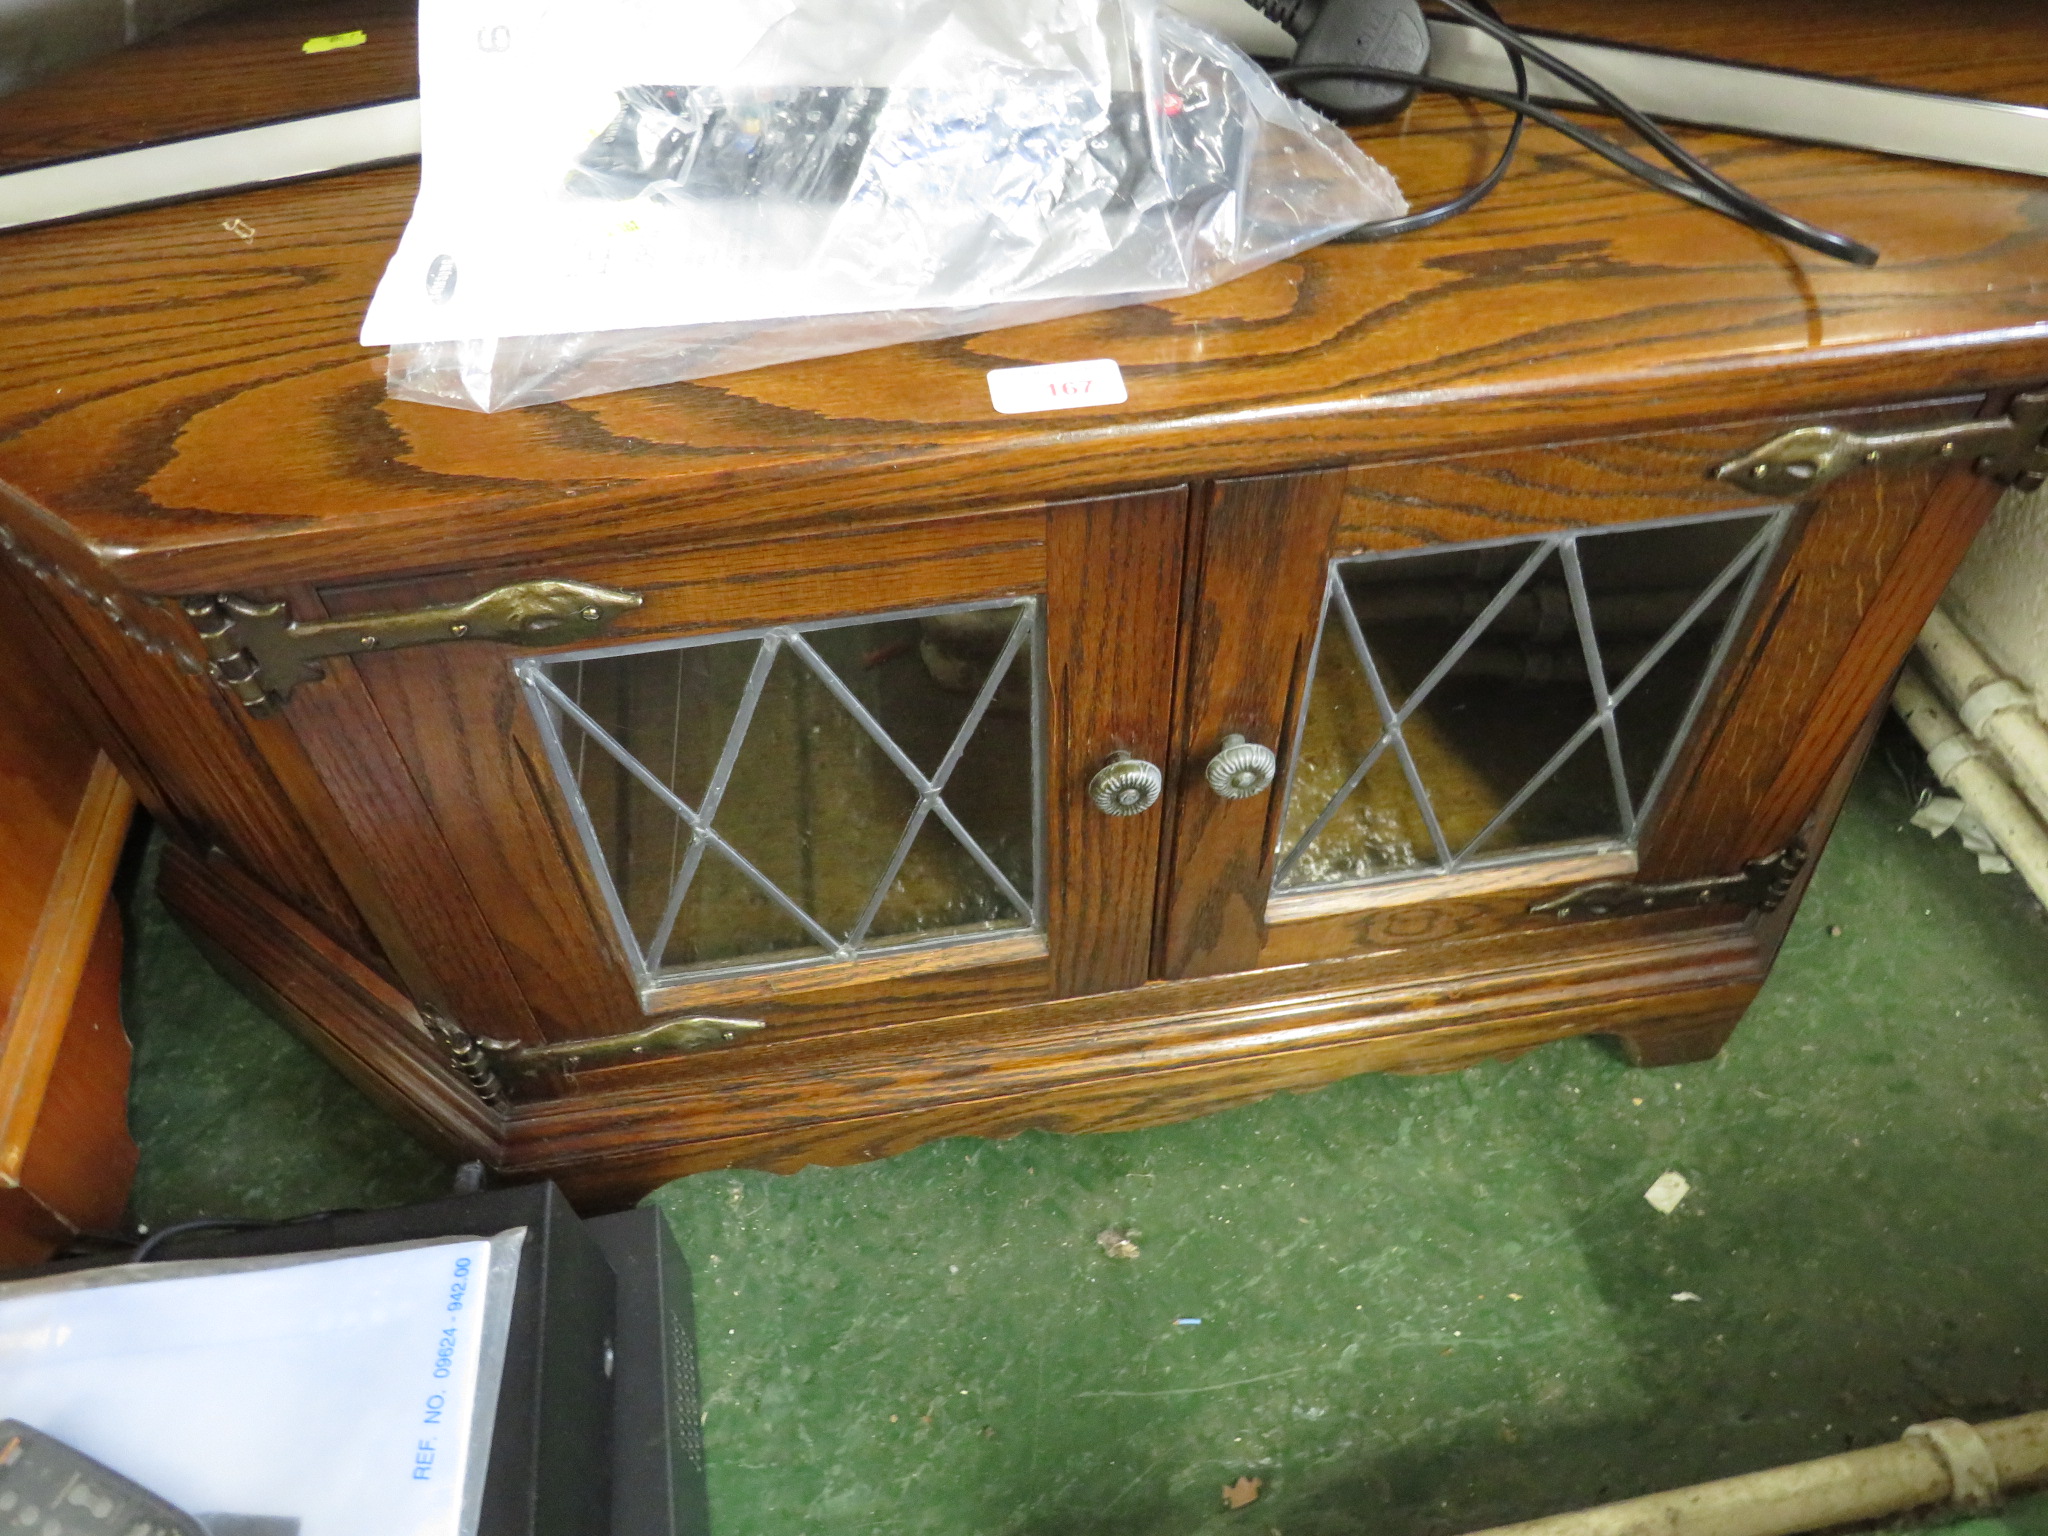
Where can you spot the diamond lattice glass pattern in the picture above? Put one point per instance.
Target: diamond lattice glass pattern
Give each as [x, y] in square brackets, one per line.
[806, 793]
[1473, 704]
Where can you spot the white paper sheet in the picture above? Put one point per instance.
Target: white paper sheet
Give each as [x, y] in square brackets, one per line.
[354, 1394]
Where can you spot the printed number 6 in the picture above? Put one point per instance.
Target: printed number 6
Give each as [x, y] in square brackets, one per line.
[494, 39]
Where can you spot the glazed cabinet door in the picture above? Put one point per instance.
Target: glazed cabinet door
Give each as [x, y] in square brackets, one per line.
[808, 785]
[1423, 699]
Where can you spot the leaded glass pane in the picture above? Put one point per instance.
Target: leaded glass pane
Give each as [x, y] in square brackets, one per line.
[1376, 829]
[806, 793]
[1480, 703]
[1630, 621]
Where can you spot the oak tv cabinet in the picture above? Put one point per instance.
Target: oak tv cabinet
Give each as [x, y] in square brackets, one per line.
[1453, 645]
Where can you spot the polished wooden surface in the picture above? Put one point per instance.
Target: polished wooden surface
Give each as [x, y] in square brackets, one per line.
[79, 1159]
[1163, 1053]
[1254, 606]
[1835, 620]
[193, 408]
[65, 1155]
[484, 901]
[46, 763]
[1986, 48]
[1113, 611]
[53, 964]
[1567, 487]
[467, 770]
[233, 68]
[187, 750]
[1143, 1056]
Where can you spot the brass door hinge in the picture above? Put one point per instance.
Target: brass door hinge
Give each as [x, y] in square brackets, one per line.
[489, 1065]
[259, 653]
[465, 1054]
[2012, 450]
[1763, 886]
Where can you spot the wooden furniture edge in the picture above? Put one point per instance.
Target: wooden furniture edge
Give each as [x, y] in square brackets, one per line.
[1861, 683]
[33, 1033]
[1819, 828]
[1694, 983]
[611, 1147]
[81, 1162]
[1533, 876]
[362, 1025]
[1094, 463]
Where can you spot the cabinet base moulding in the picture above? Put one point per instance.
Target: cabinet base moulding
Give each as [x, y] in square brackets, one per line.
[1157, 1054]
[364, 1026]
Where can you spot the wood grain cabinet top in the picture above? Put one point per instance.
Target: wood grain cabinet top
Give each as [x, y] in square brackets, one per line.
[189, 409]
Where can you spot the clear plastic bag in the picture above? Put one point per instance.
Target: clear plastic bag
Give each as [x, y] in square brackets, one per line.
[866, 172]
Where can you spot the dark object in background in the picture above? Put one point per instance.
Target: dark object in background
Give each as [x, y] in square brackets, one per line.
[46, 1484]
[44, 37]
[657, 1434]
[801, 145]
[1388, 33]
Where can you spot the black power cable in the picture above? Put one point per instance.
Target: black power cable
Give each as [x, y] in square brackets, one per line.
[1754, 210]
[1464, 202]
[1695, 182]
[146, 1249]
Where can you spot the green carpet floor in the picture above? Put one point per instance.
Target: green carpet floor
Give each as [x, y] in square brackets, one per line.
[1406, 1306]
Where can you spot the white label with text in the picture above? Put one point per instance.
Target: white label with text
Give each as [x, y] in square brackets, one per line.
[1056, 386]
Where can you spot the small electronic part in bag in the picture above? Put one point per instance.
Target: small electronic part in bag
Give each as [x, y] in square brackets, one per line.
[696, 142]
[700, 141]
[49, 1489]
[692, 142]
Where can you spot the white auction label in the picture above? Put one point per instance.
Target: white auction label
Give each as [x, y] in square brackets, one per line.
[1056, 386]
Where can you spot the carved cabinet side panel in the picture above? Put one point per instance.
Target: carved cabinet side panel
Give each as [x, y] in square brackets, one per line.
[134, 677]
[483, 777]
[442, 787]
[453, 960]
[1833, 621]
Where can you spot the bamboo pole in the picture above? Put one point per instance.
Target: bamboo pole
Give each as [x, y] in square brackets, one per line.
[1946, 1461]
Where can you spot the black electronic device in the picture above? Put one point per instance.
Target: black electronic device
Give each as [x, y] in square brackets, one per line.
[49, 1489]
[693, 143]
[801, 145]
[598, 1430]
[657, 1434]
[1348, 56]
[550, 1469]
[1389, 34]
